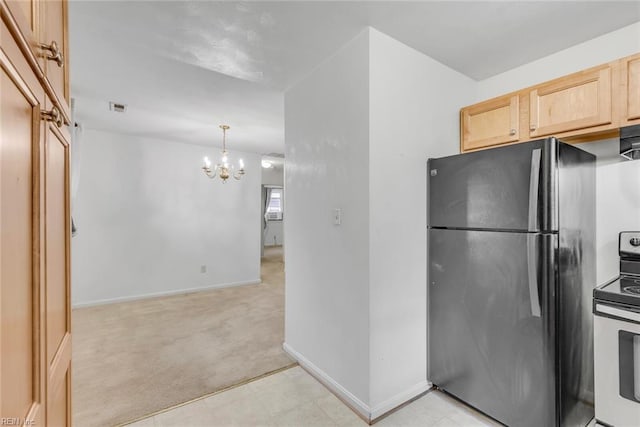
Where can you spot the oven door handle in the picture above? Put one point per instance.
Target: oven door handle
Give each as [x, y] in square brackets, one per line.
[617, 312]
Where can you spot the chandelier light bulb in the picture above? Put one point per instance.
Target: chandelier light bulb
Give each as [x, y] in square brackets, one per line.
[207, 162]
[241, 163]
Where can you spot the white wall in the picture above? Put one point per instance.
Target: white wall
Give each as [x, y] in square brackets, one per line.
[327, 266]
[606, 48]
[358, 133]
[414, 103]
[273, 176]
[148, 218]
[617, 191]
[617, 203]
[274, 234]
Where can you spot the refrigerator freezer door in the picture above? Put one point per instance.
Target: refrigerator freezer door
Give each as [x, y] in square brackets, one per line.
[507, 188]
[491, 333]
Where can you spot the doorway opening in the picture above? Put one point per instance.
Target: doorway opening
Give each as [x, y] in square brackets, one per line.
[273, 206]
[217, 321]
[273, 216]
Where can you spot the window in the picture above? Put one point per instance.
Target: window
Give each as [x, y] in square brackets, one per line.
[274, 207]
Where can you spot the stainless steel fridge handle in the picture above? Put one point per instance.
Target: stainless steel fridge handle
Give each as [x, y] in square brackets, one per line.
[532, 273]
[534, 184]
[532, 249]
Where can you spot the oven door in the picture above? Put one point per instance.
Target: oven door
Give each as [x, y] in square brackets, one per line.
[617, 364]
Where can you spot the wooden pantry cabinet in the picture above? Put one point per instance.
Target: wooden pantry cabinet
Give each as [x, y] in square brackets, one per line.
[35, 221]
[586, 105]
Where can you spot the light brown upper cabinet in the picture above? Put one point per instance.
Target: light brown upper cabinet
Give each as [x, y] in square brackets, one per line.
[584, 106]
[40, 28]
[490, 123]
[573, 102]
[27, 16]
[630, 90]
[54, 48]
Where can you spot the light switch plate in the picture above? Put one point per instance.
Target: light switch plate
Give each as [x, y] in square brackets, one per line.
[337, 216]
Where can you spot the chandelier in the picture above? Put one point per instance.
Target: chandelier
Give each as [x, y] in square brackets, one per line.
[224, 169]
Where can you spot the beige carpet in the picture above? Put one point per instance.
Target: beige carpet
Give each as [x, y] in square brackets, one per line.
[132, 359]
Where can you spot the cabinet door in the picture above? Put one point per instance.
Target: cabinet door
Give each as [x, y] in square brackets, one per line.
[57, 275]
[490, 123]
[631, 90]
[22, 373]
[578, 101]
[26, 13]
[55, 31]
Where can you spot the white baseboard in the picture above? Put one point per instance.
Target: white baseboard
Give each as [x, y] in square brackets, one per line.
[399, 399]
[356, 404]
[163, 294]
[346, 396]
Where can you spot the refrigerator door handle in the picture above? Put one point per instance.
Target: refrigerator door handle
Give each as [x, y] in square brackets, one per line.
[532, 270]
[534, 184]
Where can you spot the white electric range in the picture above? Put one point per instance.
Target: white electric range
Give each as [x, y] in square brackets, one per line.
[616, 307]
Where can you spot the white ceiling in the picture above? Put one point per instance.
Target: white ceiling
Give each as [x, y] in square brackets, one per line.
[183, 67]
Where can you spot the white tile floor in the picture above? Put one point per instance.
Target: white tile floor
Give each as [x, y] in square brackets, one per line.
[294, 398]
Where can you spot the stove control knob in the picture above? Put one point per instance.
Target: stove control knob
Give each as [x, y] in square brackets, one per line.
[635, 241]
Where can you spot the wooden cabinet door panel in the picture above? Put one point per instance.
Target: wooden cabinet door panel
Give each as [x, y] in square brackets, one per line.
[26, 13]
[59, 414]
[21, 337]
[55, 30]
[631, 88]
[577, 101]
[490, 123]
[57, 252]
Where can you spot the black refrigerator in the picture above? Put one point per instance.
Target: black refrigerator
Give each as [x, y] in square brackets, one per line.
[511, 246]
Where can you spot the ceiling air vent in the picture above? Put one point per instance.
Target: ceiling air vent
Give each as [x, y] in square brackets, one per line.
[276, 155]
[117, 107]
